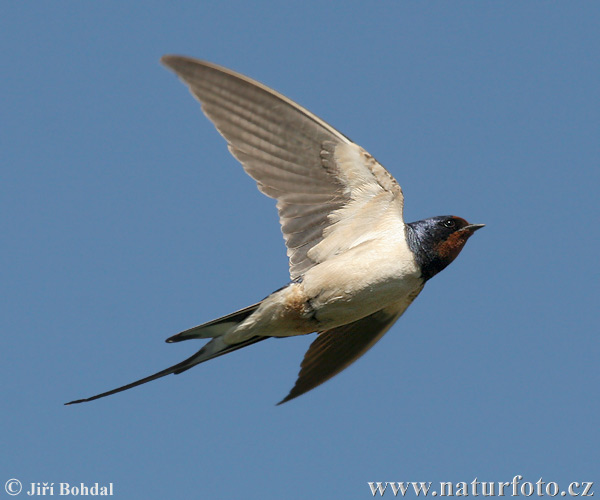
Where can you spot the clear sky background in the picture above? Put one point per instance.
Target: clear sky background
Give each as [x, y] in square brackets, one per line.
[125, 220]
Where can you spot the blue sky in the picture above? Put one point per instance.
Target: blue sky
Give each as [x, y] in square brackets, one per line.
[125, 220]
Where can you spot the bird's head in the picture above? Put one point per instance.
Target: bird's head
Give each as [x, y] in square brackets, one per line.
[437, 241]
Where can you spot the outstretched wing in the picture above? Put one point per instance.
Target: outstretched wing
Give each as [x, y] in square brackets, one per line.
[334, 350]
[320, 179]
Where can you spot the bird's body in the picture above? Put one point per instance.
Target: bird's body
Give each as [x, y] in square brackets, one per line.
[355, 264]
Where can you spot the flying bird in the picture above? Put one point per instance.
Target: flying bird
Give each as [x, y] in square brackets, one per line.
[355, 265]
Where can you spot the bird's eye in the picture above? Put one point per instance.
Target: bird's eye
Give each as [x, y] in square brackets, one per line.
[449, 223]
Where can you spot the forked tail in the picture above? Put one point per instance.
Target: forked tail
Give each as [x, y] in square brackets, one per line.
[213, 349]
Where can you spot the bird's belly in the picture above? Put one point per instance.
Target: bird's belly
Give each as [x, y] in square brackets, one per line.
[346, 305]
[345, 290]
[336, 292]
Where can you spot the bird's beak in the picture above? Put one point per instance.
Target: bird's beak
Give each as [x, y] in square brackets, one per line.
[471, 228]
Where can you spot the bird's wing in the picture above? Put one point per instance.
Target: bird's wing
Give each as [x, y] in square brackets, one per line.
[334, 350]
[321, 180]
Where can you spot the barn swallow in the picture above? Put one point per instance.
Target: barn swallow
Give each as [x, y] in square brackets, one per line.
[355, 265]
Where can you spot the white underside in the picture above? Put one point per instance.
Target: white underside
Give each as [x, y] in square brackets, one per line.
[371, 276]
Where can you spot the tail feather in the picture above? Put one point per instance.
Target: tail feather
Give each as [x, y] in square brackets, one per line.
[215, 348]
[216, 327]
[212, 349]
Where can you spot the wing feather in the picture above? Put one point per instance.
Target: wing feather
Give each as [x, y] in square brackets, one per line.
[334, 350]
[316, 174]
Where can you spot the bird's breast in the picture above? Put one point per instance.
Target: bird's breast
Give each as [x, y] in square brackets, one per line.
[360, 282]
[341, 290]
